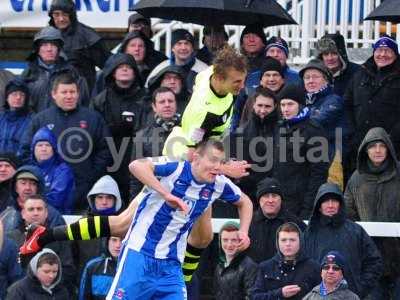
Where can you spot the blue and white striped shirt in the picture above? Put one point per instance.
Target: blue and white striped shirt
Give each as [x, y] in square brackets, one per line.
[160, 231]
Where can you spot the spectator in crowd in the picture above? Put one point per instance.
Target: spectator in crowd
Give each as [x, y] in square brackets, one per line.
[46, 62]
[172, 77]
[35, 211]
[10, 269]
[150, 141]
[138, 22]
[9, 163]
[326, 108]
[122, 109]
[137, 44]
[332, 51]
[328, 225]
[58, 176]
[83, 46]
[334, 284]
[104, 199]
[371, 196]
[236, 272]
[90, 157]
[252, 44]
[214, 38]
[5, 77]
[371, 97]
[271, 79]
[183, 54]
[43, 281]
[261, 124]
[300, 159]
[278, 48]
[28, 181]
[269, 216]
[100, 271]
[290, 273]
[15, 117]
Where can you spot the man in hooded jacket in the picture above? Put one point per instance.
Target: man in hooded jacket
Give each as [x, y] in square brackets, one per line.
[372, 195]
[37, 285]
[123, 111]
[329, 229]
[46, 61]
[84, 48]
[290, 273]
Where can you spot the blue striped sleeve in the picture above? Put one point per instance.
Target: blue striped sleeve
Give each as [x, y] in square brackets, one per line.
[165, 169]
[231, 192]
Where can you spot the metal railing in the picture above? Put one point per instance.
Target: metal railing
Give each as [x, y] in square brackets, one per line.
[315, 18]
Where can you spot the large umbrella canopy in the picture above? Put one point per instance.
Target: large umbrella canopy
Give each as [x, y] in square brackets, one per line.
[212, 12]
[388, 11]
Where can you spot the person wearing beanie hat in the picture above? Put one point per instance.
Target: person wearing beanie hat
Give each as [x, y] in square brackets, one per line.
[214, 38]
[278, 48]
[235, 272]
[326, 108]
[45, 62]
[84, 48]
[300, 178]
[252, 44]
[138, 22]
[334, 284]
[290, 273]
[269, 216]
[329, 224]
[183, 55]
[331, 49]
[15, 117]
[272, 76]
[372, 96]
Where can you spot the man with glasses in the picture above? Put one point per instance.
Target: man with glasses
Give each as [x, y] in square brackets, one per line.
[334, 284]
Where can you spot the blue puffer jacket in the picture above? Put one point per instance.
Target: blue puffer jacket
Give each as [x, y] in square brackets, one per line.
[58, 176]
[10, 269]
[13, 123]
[14, 218]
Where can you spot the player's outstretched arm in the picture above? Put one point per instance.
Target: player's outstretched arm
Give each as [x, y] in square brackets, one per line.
[245, 209]
[143, 169]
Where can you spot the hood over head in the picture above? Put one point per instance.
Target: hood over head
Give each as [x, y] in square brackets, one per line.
[44, 134]
[133, 35]
[33, 268]
[67, 6]
[155, 81]
[330, 190]
[105, 185]
[47, 34]
[373, 135]
[300, 254]
[116, 60]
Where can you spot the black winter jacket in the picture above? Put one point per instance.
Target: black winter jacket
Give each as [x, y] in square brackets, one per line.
[89, 158]
[234, 281]
[371, 100]
[364, 263]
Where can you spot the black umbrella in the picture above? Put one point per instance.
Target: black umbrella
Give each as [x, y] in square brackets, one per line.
[388, 11]
[209, 12]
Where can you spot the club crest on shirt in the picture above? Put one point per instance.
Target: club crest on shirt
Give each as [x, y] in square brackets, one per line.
[83, 124]
[119, 294]
[205, 194]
